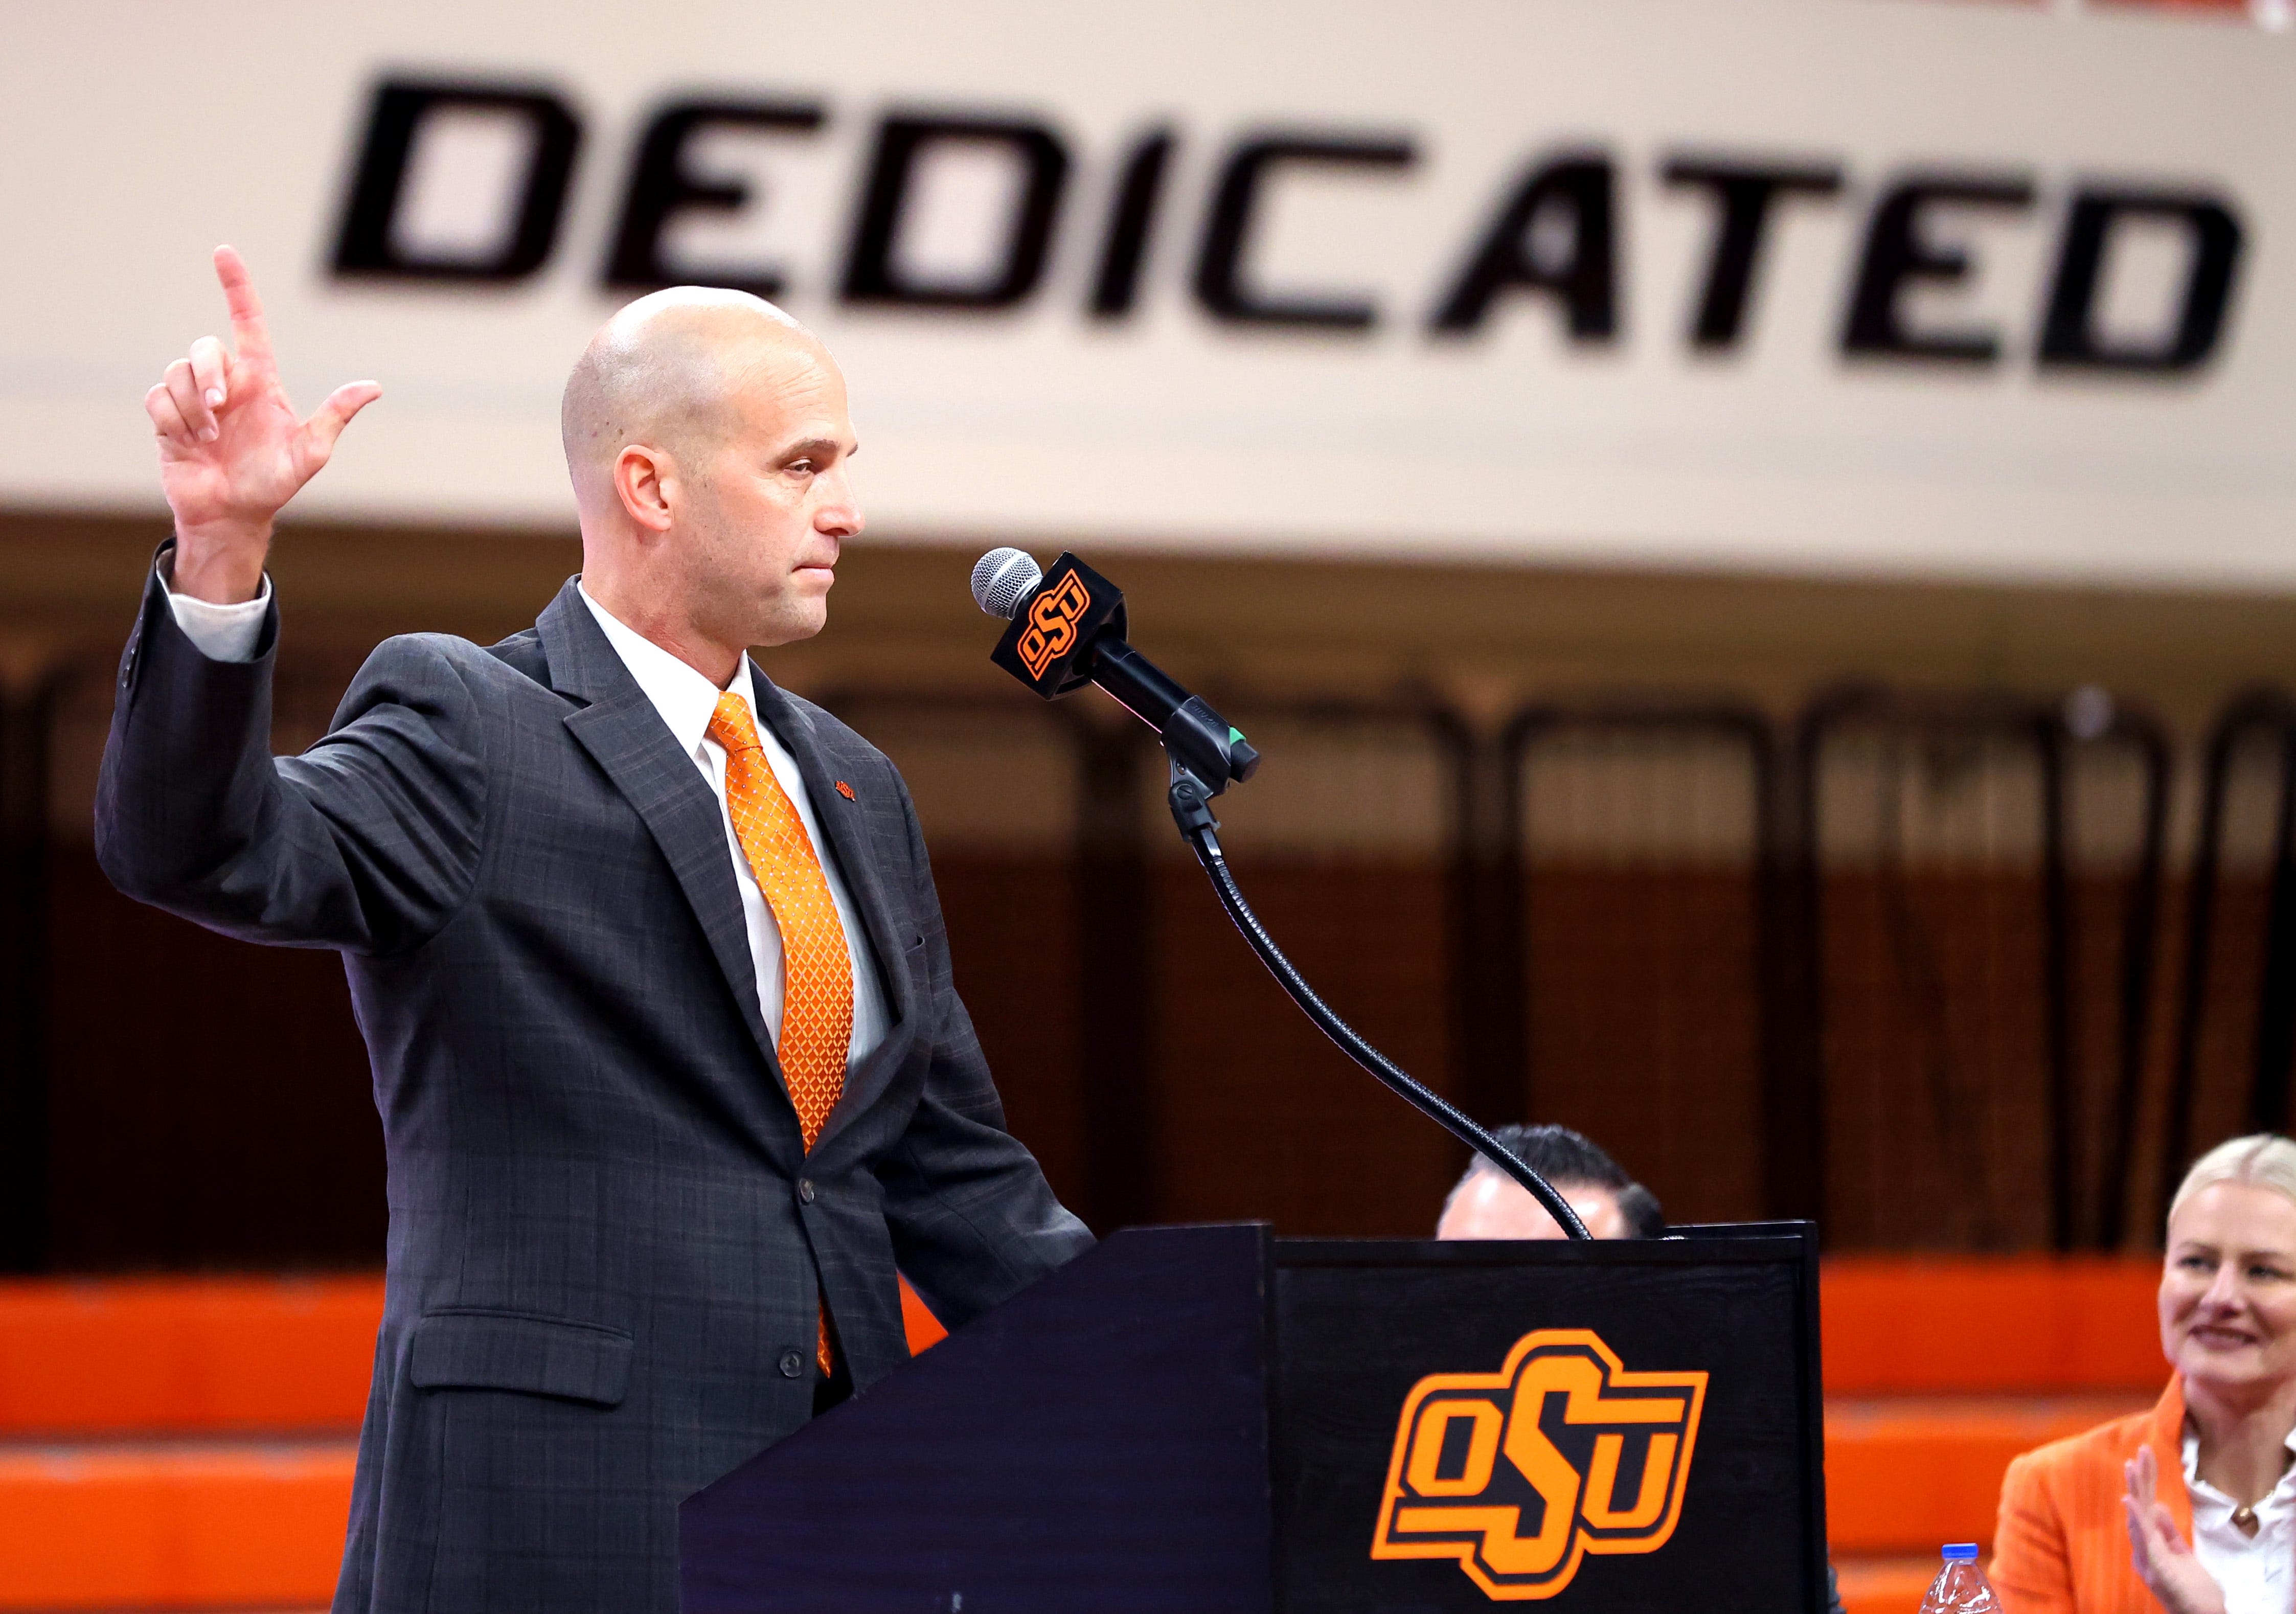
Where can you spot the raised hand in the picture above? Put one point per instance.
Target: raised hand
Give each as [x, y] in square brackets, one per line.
[2163, 1557]
[232, 450]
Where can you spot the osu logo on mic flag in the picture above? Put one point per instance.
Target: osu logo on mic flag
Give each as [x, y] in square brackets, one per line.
[1052, 618]
[1519, 1474]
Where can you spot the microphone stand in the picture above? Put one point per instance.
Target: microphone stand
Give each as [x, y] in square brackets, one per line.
[1190, 802]
[1067, 630]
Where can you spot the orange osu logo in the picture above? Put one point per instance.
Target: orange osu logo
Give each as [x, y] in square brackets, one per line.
[1521, 1473]
[1052, 625]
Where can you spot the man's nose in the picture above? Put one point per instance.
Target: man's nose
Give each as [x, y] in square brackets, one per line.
[840, 513]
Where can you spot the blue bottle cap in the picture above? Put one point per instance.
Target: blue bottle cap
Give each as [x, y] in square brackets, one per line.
[1962, 1551]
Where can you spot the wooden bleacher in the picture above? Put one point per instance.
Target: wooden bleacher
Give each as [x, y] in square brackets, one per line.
[187, 1444]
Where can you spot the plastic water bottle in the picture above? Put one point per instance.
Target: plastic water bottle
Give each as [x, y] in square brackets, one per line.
[1960, 1587]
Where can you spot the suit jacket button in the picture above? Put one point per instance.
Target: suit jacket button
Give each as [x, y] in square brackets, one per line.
[805, 1191]
[792, 1363]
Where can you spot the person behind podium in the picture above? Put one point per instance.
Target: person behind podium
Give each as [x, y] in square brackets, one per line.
[645, 951]
[1488, 1204]
[2190, 1507]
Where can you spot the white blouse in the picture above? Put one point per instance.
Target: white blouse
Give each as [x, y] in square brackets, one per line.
[2257, 1573]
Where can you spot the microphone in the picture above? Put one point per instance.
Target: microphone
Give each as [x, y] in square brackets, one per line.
[1003, 577]
[1069, 629]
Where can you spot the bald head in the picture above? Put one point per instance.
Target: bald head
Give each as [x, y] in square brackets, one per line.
[707, 435]
[666, 372]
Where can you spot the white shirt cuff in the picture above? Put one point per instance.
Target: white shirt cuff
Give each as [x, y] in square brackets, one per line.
[220, 633]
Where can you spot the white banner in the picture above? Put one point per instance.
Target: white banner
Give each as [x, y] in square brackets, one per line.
[1878, 286]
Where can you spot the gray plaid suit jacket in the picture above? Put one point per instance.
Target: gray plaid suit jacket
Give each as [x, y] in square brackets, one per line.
[606, 1238]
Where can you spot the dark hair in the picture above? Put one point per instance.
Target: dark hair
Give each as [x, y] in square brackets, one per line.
[1645, 1218]
[1564, 1157]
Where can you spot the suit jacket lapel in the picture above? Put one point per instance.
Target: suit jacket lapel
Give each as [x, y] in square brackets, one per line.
[844, 823]
[2165, 1433]
[625, 734]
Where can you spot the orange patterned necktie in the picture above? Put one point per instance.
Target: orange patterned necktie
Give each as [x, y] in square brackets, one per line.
[816, 970]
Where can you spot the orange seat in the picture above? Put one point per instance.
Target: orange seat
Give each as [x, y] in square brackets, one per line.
[1973, 1326]
[1905, 1476]
[1940, 1370]
[186, 1355]
[193, 1525]
[1885, 1585]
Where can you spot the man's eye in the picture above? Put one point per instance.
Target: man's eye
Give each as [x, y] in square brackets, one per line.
[2194, 1263]
[2267, 1274]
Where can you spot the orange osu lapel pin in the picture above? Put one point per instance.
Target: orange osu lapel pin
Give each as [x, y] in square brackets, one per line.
[845, 790]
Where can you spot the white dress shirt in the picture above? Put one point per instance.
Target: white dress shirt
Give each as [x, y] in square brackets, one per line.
[686, 699]
[2253, 1571]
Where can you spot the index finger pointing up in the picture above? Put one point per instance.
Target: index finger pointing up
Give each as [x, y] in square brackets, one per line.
[247, 331]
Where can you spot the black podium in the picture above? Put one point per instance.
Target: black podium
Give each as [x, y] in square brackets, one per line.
[1211, 1420]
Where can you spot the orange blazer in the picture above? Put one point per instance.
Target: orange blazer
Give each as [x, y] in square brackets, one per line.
[2061, 1546]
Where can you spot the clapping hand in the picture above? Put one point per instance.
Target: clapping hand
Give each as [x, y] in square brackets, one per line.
[2164, 1559]
[231, 451]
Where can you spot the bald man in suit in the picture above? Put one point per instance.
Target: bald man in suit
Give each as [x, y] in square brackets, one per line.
[646, 954]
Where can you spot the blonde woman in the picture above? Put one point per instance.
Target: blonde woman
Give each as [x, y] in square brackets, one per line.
[2191, 1507]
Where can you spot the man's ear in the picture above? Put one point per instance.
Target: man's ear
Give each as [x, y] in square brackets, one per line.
[645, 480]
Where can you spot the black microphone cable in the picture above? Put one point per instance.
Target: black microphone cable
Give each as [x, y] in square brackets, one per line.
[1191, 811]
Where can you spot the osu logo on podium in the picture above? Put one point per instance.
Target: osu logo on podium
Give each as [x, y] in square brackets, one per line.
[1052, 618]
[1519, 1474]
